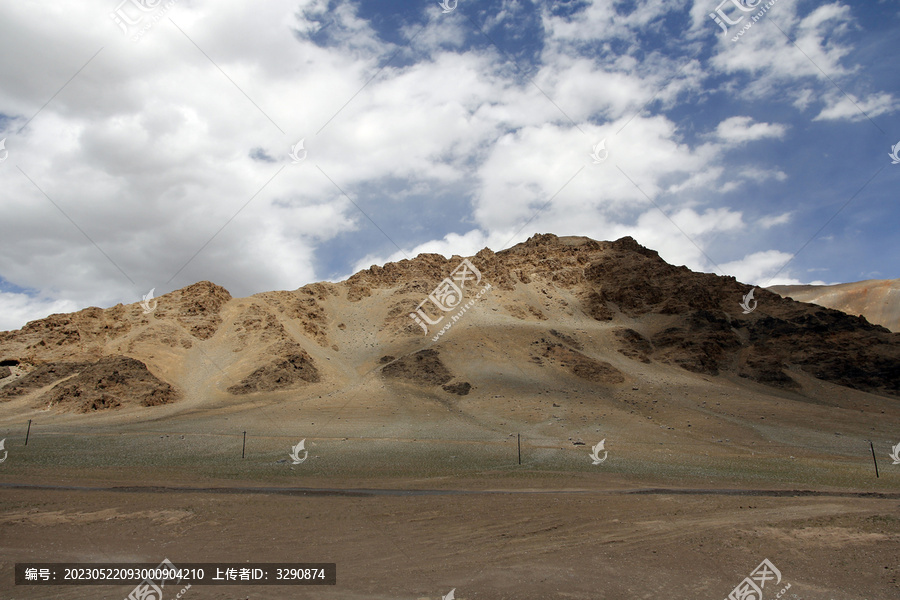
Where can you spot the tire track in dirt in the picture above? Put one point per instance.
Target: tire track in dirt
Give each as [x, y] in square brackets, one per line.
[373, 492]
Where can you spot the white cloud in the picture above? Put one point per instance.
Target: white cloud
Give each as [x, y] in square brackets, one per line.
[771, 221]
[763, 269]
[605, 21]
[738, 177]
[18, 309]
[152, 151]
[853, 109]
[802, 98]
[773, 61]
[743, 129]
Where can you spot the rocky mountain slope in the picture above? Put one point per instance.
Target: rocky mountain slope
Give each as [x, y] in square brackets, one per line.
[878, 300]
[595, 315]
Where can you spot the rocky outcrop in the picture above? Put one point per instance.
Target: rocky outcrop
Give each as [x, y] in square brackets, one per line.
[290, 365]
[107, 383]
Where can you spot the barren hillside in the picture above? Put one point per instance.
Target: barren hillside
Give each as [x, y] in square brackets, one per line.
[878, 300]
[600, 314]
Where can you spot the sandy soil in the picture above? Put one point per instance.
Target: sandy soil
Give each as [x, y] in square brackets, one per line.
[555, 526]
[553, 544]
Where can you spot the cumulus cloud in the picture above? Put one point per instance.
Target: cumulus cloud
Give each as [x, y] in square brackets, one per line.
[853, 109]
[743, 129]
[761, 269]
[163, 162]
[18, 309]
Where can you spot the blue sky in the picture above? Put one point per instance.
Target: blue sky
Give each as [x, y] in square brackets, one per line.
[156, 154]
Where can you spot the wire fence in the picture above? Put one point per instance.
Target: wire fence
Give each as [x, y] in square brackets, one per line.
[50, 446]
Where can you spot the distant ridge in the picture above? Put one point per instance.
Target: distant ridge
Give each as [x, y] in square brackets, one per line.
[878, 300]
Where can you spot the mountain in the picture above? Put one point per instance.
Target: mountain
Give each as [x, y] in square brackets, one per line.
[593, 318]
[878, 300]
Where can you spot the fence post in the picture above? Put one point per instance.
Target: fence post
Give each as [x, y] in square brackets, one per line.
[872, 448]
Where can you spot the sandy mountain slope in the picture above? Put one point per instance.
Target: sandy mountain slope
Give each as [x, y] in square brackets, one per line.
[459, 457]
[599, 317]
[878, 300]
